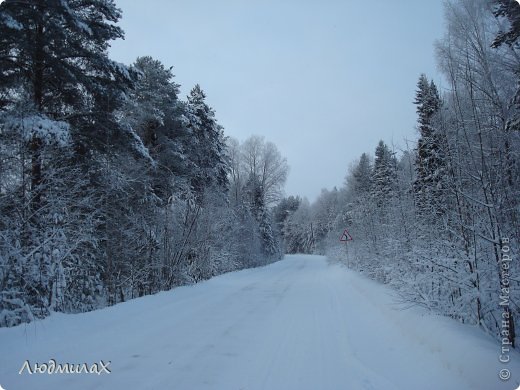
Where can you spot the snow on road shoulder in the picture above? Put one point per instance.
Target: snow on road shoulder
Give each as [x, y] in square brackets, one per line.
[463, 350]
[300, 323]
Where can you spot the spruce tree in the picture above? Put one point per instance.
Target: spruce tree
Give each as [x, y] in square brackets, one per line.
[510, 9]
[430, 164]
[362, 175]
[255, 197]
[384, 178]
[208, 151]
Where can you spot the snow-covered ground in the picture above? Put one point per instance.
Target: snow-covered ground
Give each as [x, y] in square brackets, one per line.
[298, 324]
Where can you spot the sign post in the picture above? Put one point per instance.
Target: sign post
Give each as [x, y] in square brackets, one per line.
[346, 237]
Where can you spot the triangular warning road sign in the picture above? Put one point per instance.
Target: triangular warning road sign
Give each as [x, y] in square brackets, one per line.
[345, 236]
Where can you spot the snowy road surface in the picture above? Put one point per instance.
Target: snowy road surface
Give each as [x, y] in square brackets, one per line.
[298, 324]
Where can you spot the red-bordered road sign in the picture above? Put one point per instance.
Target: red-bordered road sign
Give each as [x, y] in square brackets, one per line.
[345, 236]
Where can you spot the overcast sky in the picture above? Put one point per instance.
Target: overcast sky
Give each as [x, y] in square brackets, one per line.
[324, 80]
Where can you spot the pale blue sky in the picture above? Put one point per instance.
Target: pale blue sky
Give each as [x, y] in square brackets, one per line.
[324, 80]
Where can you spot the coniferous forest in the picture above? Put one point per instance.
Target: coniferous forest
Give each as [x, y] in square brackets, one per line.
[113, 186]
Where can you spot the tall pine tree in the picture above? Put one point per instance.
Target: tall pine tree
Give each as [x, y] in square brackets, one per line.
[56, 52]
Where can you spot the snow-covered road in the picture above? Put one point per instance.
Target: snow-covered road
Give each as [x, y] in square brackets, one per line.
[298, 324]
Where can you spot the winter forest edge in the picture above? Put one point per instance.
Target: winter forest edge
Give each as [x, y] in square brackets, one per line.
[112, 187]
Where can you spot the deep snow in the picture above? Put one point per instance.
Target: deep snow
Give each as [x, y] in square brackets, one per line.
[298, 324]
